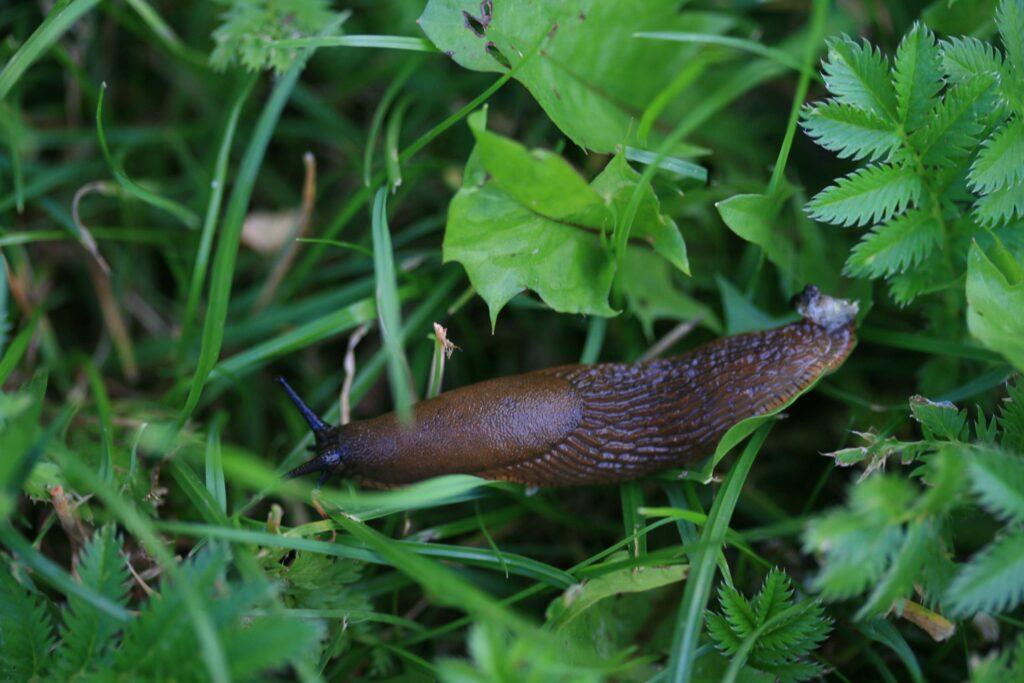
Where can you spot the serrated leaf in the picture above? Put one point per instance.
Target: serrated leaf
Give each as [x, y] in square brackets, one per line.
[899, 578]
[993, 580]
[88, 632]
[994, 308]
[966, 58]
[1001, 206]
[850, 132]
[594, 100]
[1001, 159]
[1010, 22]
[997, 480]
[940, 420]
[893, 247]
[917, 76]
[868, 195]
[248, 30]
[1011, 417]
[857, 74]
[26, 633]
[955, 125]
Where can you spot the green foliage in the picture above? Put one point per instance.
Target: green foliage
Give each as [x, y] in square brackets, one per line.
[1004, 665]
[942, 111]
[88, 634]
[784, 632]
[527, 220]
[591, 98]
[26, 630]
[995, 298]
[249, 27]
[893, 535]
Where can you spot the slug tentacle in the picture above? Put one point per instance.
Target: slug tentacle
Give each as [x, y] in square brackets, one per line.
[328, 449]
[584, 424]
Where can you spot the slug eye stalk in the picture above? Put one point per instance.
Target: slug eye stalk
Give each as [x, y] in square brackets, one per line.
[328, 455]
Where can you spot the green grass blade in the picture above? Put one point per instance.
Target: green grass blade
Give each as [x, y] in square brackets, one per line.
[690, 621]
[59, 20]
[392, 164]
[632, 500]
[388, 309]
[413, 43]
[231, 233]
[378, 118]
[99, 395]
[751, 46]
[176, 209]
[220, 171]
[5, 324]
[215, 467]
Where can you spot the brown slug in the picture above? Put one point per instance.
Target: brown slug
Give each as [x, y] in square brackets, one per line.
[588, 424]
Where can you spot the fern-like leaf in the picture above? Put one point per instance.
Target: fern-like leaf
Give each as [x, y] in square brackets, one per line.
[1011, 417]
[965, 59]
[88, 631]
[917, 76]
[1010, 22]
[1001, 160]
[858, 74]
[997, 479]
[939, 420]
[850, 132]
[895, 246]
[872, 194]
[956, 124]
[1001, 206]
[785, 632]
[993, 581]
[26, 632]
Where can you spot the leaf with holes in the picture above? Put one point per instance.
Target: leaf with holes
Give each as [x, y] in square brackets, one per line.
[561, 52]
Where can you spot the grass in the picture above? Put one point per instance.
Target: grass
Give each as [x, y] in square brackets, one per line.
[140, 340]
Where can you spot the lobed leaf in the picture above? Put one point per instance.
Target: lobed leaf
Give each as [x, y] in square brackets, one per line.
[850, 132]
[956, 123]
[993, 580]
[917, 76]
[868, 195]
[1001, 159]
[896, 246]
[857, 74]
[997, 480]
[1001, 206]
[967, 58]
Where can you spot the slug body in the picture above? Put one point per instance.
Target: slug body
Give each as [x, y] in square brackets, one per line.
[585, 424]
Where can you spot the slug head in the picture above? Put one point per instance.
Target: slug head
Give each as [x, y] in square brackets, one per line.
[824, 310]
[329, 453]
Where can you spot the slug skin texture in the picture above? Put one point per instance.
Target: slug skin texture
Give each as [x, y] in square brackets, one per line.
[603, 423]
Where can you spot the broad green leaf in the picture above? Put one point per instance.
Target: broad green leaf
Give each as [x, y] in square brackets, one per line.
[752, 217]
[581, 597]
[615, 184]
[995, 308]
[525, 219]
[583, 65]
[651, 295]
